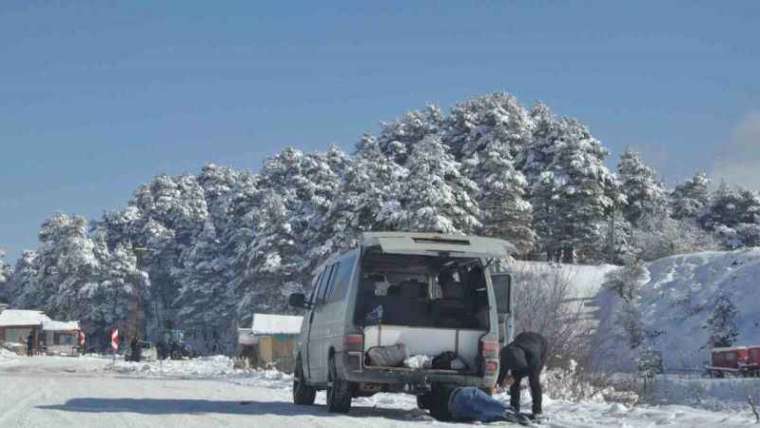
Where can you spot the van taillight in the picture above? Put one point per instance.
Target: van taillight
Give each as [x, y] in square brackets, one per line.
[489, 349]
[353, 343]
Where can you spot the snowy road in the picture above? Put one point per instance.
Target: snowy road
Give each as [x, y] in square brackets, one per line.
[61, 392]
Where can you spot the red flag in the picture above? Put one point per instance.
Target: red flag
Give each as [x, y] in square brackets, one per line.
[115, 339]
[81, 338]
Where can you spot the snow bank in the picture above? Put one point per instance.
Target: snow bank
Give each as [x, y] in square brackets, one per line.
[6, 355]
[677, 301]
[202, 367]
[713, 394]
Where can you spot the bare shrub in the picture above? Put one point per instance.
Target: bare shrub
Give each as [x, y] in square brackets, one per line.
[576, 383]
[546, 303]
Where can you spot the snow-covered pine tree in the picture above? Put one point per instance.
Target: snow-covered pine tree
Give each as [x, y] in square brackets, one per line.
[220, 185]
[733, 215]
[473, 125]
[435, 196]
[645, 194]
[571, 190]
[397, 137]
[689, 198]
[371, 181]
[484, 133]
[292, 196]
[324, 172]
[505, 211]
[5, 277]
[117, 295]
[22, 289]
[721, 324]
[66, 262]
[162, 220]
[276, 258]
[206, 300]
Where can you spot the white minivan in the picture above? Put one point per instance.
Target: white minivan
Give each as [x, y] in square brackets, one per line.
[432, 297]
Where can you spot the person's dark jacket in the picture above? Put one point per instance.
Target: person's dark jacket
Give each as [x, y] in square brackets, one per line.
[524, 357]
[30, 345]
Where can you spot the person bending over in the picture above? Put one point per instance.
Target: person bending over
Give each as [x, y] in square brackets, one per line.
[524, 357]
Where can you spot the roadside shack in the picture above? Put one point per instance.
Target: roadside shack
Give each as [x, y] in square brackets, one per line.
[61, 337]
[17, 324]
[273, 339]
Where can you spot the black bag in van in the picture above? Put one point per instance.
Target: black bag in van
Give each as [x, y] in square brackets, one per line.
[448, 361]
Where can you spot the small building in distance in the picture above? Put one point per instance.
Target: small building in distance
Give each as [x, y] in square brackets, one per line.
[48, 336]
[61, 337]
[17, 324]
[271, 341]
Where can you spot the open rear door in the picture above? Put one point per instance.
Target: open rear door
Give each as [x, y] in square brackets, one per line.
[502, 290]
[437, 244]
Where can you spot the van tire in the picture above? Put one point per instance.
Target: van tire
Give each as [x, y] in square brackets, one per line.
[438, 403]
[424, 401]
[338, 391]
[303, 394]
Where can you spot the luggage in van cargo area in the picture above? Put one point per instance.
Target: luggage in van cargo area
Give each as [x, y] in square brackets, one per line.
[387, 356]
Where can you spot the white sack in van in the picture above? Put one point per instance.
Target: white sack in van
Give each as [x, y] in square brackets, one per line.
[387, 356]
[419, 362]
[458, 364]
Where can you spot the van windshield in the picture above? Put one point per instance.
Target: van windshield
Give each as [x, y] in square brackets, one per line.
[422, 291]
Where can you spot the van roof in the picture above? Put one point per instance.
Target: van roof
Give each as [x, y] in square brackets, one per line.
[436, 243]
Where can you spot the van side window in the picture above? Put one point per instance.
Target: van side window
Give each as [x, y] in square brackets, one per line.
[315, 290]
[342, 279]
[324, 283]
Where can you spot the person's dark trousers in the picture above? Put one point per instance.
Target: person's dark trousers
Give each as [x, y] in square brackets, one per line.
[535, 393]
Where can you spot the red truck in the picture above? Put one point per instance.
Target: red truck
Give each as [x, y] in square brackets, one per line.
[736, 361]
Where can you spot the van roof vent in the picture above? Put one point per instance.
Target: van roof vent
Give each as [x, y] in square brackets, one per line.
[432, 240]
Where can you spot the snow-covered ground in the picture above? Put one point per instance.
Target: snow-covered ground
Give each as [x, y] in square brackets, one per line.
[88, 392]
[706, 393]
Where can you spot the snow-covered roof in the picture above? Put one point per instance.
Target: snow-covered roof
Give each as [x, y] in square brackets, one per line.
[276, 324]
[730, 349]
[50, 325]
[19, 317]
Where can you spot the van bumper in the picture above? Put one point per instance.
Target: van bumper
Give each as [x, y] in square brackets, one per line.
[350, 366]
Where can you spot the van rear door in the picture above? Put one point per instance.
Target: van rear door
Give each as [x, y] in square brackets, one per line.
[435, 244]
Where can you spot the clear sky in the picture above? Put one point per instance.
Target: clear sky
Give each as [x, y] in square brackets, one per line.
[98, 97]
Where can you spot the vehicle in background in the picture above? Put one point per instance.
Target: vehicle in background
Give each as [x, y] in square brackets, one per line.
[428, 296]
[173, 346]
[734, 361]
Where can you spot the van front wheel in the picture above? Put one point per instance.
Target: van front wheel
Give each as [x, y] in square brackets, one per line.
[303, 394]
[338, 391]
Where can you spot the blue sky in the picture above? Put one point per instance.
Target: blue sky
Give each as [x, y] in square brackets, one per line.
[98, 97]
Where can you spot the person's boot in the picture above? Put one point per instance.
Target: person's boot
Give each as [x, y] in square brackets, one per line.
[516, 418]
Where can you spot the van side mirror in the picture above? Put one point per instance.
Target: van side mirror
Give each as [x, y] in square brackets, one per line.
[298, 300]
[502, 290]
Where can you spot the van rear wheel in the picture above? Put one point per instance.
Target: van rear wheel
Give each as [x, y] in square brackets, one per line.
[424, 401]
[338, 391]
[303, 394]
